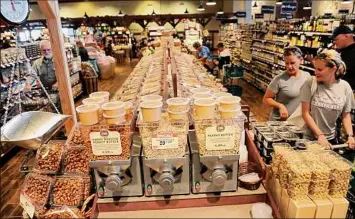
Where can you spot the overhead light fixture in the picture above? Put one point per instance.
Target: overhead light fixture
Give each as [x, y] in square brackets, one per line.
[308, 6]
[186, 11]
[279, 2]
[345, 2]
[154, 12]
[200, 8]
[120, 14]
[86, 16]
[255, 5]
[211, 2]
[220, 11]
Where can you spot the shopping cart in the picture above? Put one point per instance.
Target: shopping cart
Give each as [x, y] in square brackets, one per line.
[231, 73]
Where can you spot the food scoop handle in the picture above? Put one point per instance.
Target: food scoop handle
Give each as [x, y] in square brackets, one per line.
[339, 146]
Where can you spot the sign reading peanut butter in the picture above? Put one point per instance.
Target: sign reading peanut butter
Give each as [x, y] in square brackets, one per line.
[220, 137]
[105, 143]
[165, 141]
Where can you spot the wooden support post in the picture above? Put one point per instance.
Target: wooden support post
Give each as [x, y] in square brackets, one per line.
[50, 9]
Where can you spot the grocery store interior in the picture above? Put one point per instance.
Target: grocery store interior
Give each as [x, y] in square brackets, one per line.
[177, 109]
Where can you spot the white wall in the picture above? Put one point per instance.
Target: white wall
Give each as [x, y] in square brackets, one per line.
[258, 9]
[319, 7]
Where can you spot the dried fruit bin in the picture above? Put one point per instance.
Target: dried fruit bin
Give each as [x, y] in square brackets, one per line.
[289, 137]
[271, 138]
[81, 134]
[68, 190]
[164, 139]
[261, 130]
[48, 158]
[299, 132]
[219, 136]
[76, 160]
[37, 188]
[281, 129]
[340, 172]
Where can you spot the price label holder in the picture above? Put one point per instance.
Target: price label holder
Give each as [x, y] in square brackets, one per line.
[27, 206]
[220, 137]
[165, 141]
[105, 143]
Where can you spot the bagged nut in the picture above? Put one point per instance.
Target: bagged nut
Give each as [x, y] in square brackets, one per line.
[76, 160]
[319, 189]
[87, 187]
[165, 138]
[340, 173]
[75, 138]
[279, 150]
[48, 158]
[63, 212]
[68, 190]
[218, 137]
[286, 161]
[37, 188]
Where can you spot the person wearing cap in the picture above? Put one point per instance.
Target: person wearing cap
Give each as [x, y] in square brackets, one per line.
[344, 42]
[326, 97]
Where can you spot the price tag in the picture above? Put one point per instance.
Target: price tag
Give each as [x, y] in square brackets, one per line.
[27, 206]
[165, 141]
[220, 137]
[106, 143]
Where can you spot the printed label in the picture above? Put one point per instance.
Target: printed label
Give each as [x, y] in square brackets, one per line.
[105, 143]
[220, 137]
[27, 206]
[165, 141]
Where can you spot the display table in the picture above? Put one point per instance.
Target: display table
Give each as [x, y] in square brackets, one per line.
[226, 204]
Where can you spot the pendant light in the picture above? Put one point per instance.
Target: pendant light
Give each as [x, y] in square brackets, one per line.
[154, 12]
[120, 14]
[345, 2]
[220, 11]
[308, 6]
[255, 5]
[279, 2]
[186, 11]
[200, 8]
[211, 2]
[86, 16]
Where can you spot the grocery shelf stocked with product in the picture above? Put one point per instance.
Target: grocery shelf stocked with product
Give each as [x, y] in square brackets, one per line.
[259, 47]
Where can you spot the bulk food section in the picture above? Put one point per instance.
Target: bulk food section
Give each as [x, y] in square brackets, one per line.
[171, 132]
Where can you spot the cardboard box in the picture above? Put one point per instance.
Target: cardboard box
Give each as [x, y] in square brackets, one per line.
[324, 208]
[301, 209]
[340, 207]
[285, 199]
[278, 191]
[271, 187]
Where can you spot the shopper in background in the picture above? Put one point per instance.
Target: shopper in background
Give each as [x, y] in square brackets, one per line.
[284, 90]
[204, 56]
[224, 55]
[344, 42]
[43, 68]
[83, 53]
[332, 97]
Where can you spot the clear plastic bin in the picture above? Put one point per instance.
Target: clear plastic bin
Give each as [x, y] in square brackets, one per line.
[37, 188]
[76, 160]
[68, 190]
[48, 158]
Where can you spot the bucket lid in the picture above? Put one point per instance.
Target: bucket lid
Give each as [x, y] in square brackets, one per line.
[100, 94]
[177, 101]
[87, 108]
[229, 99]
[205, 102]
[115, 116]
[113, 105]
[94, 100]
[150, 104]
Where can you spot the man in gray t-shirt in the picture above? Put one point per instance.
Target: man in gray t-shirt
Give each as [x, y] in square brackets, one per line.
[327, 104]
[287, 91]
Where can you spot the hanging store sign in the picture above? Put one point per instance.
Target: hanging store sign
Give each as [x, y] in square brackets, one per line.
[267, 9]
[289, 6]
[286, 15]
[343, 11]
[327, 15]
[259, 16]
[241, 14]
